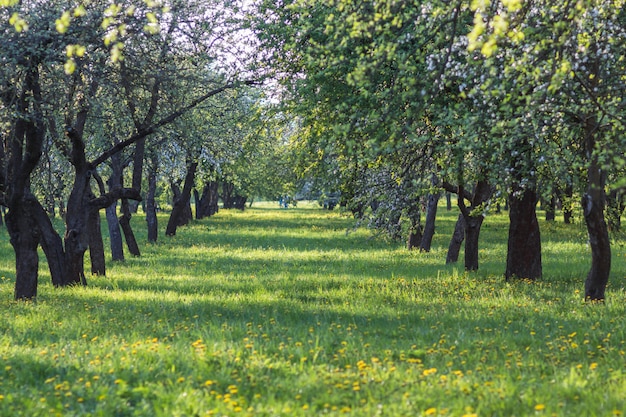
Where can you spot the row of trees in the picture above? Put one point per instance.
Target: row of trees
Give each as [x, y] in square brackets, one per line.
[101, 105]
[509, 99]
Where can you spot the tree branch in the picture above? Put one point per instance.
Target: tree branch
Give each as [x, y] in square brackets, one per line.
[118, 147]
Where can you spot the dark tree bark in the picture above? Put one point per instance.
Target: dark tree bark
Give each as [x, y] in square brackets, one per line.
[524, 244]
[227, 194]
[24, 237]
[182, 202]
[550, 208]
[199, 209]
[129, 235]
[151, 209]
[113, 223]
[429, 225]
[415, 238]
[594, 200]
[415, 229]
[51, 242]
[457, 240]
[473, 222]
[24, 148]
[96, 245]
[567, 204]
[115, 235]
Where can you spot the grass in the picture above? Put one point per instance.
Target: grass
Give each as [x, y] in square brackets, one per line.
[282, 312]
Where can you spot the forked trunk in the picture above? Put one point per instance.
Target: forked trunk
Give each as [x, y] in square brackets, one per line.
[524, 244]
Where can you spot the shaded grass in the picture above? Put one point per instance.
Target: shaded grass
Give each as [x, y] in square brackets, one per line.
[284, 312]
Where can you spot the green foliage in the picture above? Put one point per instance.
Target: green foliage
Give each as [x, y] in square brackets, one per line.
[281, 312]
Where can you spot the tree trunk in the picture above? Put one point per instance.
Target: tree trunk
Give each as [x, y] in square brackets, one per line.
[96, 245]
[429, 226]
[129, 235]
[198, 203]
[151, 212]
[550, 208]
[524, 244]
[598, 276]
[567, 204]
[51, 242]
[24, 237]
[482, 194]
[181, 203]
[472, 232]
[227, 194]
[115, 235]
[457, 240]
[594, 200]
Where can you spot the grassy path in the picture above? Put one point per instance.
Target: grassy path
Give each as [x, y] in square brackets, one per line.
[281, 312]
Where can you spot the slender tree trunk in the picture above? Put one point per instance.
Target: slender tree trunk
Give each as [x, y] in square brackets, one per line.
[198, 203]
[115, 235]
[429, 226]
[524, 244]
[594, 200]
[96, 245]
[181, 203]
[151, 212]
[457, 240]
[567, 204]
[113, 223]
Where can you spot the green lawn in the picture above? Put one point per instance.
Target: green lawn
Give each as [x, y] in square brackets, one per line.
[291, 312]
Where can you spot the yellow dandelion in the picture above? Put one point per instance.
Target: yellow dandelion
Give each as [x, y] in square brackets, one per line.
[540, 407]
[431, 411]
[593, 366]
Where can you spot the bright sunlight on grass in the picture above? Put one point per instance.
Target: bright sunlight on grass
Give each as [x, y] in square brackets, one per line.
[291, 312]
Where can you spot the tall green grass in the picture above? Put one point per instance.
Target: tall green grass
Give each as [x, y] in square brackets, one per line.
[293, 312]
